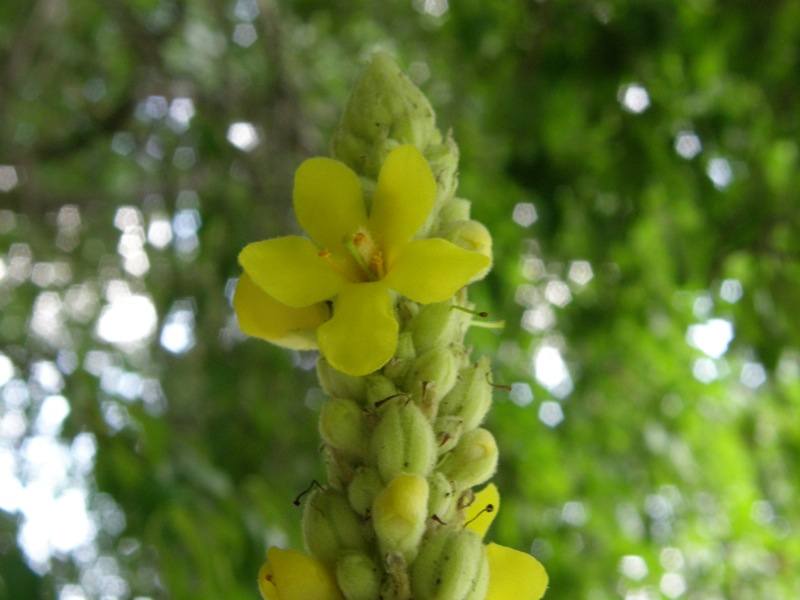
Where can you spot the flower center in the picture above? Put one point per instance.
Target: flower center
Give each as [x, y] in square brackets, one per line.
[366, 253]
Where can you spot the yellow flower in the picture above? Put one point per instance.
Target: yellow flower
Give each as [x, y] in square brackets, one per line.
[513, 575]
[354, 259]
[291, 575]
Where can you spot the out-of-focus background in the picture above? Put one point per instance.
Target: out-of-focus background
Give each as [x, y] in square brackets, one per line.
[637, 163]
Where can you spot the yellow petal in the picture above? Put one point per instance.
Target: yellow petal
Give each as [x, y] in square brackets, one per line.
[290, 270]
[514, 575]
[432, 270]
[291, 575]
[361, 336]
[328, 202]
[404, 197]
[261, 316]
[478, 514]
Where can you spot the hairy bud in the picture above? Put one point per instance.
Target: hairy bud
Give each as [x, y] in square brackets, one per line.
[451, 565]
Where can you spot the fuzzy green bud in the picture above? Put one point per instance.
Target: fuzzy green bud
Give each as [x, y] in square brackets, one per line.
[337, 384]
[403, 441]
[330, 527]
[399, 514]
[441, 496]
[342, 426]
[448, 432]
[405, 347]
[432, 376]
[358, 577]
[385, 110]
[363, 489]
[472, 461]
[451, 565]
[379, 388]
[437, 325]
[471, 397]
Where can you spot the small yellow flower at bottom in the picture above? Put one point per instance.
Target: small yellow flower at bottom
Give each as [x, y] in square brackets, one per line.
[513, 575]
[291, 575]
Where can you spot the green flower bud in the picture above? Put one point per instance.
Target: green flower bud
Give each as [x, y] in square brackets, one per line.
[438, 325]
[441, 496]
[330, 527]
[337, 384]
[472, 461]
[399, 514]
[358, 577]
[403, 441]
[342, 426]
[471, 397]
[451, 565]
[378, 388]
[432, 376]
[384, 110]
[448, 432]
[405, 347]
[363, 489]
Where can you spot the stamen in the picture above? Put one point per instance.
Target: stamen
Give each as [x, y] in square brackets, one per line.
[488, 509]
[351, 245]
[326, 256]
[482, 315]
[499, 386]
[377, 260]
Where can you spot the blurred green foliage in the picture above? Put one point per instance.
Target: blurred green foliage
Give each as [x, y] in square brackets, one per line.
[637, 162]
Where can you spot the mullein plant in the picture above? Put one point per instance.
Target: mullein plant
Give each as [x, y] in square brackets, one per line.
[379, 288]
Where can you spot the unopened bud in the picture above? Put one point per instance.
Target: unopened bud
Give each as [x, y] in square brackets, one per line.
[342, 426]
[358, 577]
[363, 489]
[399, 514]
[441, 497]
[384, 110]
[337, 384]
[451, 565]
[472, 461]
[432, 376]
[330, 527]
[471, 396]
[448, 432]
[379, 388]
[473, 236]
[437, 325]
[403, 441]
